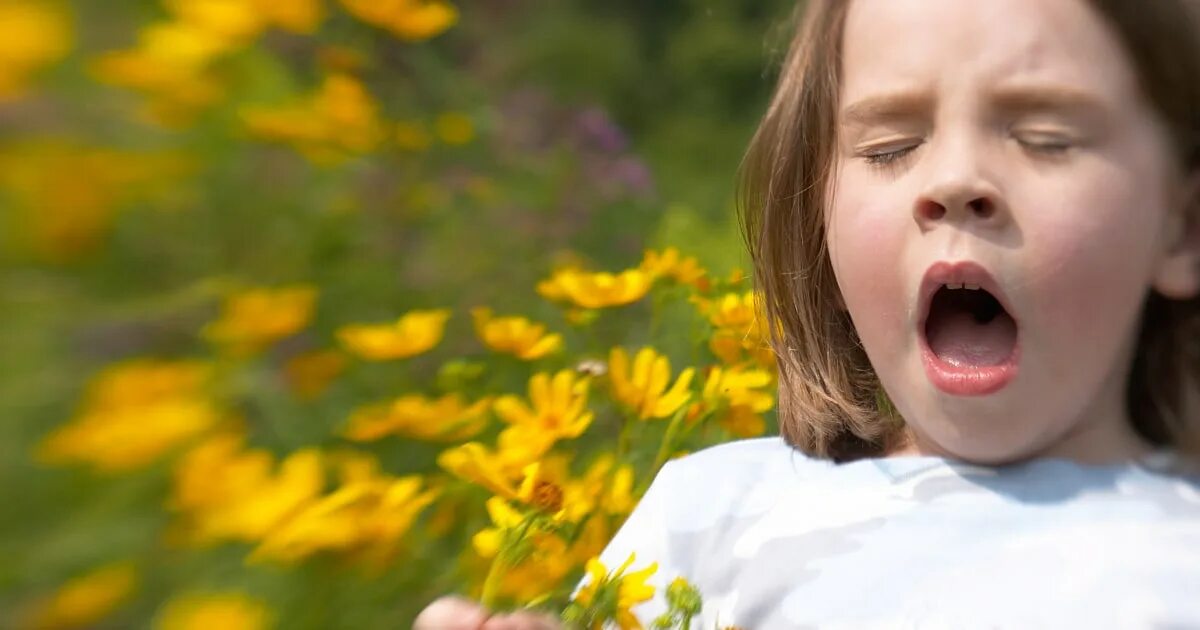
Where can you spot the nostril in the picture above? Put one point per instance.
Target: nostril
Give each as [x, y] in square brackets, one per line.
[982, 208]
[932, 211]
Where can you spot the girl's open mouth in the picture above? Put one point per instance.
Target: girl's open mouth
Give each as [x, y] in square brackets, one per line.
[969, 338]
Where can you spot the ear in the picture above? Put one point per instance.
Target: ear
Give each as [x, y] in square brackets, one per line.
[1178, 274]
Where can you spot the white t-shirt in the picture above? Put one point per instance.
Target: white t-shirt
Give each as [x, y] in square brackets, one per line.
[774, 539]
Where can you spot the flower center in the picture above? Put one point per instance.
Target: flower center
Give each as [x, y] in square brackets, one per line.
[547, 496]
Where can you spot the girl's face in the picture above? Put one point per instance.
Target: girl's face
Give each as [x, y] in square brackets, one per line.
[1004, 200]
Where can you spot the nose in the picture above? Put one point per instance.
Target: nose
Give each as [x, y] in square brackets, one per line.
[958, 189]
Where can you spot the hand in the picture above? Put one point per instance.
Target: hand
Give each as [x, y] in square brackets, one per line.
[457, 613]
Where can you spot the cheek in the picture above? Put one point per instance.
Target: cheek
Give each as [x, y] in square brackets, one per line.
[1089, 255]
[866, 243]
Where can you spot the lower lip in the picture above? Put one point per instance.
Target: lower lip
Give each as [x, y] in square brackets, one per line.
[958, 380]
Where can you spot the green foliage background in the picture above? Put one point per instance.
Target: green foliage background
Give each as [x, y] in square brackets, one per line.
[683, 80]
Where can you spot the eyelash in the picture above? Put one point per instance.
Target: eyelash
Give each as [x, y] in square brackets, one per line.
[1052, 148]
[885, 160]
[889, 159]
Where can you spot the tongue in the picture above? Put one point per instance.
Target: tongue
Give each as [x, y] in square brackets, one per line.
[958, 339]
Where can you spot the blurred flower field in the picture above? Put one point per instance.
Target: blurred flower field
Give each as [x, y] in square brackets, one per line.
[314, 310]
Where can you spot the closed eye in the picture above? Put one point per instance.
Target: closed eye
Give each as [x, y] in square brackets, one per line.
[887, 155]
[1044, 143]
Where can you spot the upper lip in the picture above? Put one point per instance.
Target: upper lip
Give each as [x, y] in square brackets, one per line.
[943, 273]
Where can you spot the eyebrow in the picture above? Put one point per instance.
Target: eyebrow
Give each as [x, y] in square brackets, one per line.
[1016, 99]
[1046, 98]
[886, 106]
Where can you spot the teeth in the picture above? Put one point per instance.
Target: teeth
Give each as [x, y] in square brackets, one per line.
[972, 287]
[951, 285]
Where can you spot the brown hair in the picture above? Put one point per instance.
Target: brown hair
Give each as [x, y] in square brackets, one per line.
[831, 403]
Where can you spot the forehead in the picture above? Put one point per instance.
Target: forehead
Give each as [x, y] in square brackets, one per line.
[927, 44]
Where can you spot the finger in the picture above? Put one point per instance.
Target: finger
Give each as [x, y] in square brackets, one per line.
[451, 613]
[523, 620]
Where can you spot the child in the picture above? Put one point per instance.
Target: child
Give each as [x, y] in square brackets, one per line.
[989, 210]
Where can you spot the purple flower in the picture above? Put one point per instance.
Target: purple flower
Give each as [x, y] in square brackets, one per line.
[596, 130]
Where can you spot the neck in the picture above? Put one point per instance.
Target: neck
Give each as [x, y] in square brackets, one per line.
[1097, 443]
[1101, 434]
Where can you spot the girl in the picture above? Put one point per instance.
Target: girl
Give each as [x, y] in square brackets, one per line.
[977, 230]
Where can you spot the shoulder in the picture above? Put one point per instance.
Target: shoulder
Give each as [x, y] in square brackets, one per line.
[741, 460]
[693, 497]
[728, 480]
[746, 451]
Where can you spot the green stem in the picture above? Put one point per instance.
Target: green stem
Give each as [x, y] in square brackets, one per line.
[488, 599]
[623, 438]
[664, 449]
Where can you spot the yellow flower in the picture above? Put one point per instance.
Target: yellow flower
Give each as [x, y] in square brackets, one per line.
[541, 493]
[514, 335]
[232, 20]
[670, 264]
[738, 311]
[592, 539]
[413, 20]
[223, 492]
[412, 334]
[596, 290]
[341, 118]
[534, 555]
[548, 487]
[137, 382]
[741, 328]
[734, 347]
[33, 35]
[298, 16]
[309, 374]
[607, 488]
[241, 20]
[171, 64]
[227, 611]
[499, 472]
[60, 221]
[246, 18]
[630, 590]
[454, 128]
[252, 319]
[738, 396]
[487, 542]
[559, 412]
[475, 463]
[446, 419]
[134, 412]
[644, 390]
[542, 563]
[559, 405]
[85, 600]
[367, 516]
[126, 439]
[520, 445]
